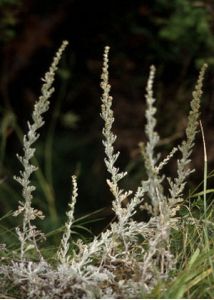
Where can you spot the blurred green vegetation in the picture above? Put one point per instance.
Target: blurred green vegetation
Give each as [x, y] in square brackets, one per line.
[187, 31]
[9, 20]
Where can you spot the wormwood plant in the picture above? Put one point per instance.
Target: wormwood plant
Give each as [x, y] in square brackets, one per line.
[128, 258]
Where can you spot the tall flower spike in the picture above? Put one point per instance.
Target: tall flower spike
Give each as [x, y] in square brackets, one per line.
[153, 185]
[177, 186]
[152, 135]
[109, 139]
[107, 115]
[28, 234]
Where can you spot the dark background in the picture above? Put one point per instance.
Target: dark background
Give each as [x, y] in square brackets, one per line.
[176, 36]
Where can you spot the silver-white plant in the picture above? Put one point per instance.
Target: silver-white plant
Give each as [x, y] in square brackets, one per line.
[162, 207]
[123, 213]
[28, 233]
[153, 185]
[108, 117]
[183, 171]
[129, 255]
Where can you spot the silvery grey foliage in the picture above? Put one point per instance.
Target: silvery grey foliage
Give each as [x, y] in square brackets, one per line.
[129, 255]
[123, 213]
[153, 185]
[29, 233]
[183, 171]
